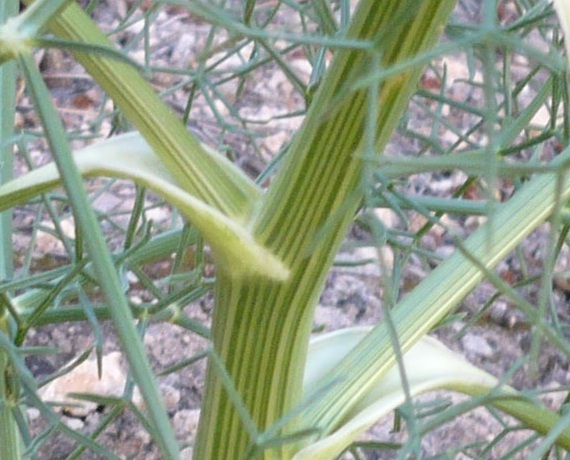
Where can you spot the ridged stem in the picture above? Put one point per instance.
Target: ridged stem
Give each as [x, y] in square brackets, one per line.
[261, 329]
[10, 438]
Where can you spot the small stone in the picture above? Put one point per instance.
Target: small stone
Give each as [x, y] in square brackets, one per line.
[48, 243]
[33, 413]
[477, 346]
[84, 379]
[388, 217]
[74, 423]
[186, 424]
[171, 396]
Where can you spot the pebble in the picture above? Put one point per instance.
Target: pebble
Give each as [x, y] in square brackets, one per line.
[477, 346]
[84, 379]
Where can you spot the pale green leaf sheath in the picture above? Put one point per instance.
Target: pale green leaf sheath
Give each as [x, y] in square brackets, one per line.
[429, 366]
[130, 157]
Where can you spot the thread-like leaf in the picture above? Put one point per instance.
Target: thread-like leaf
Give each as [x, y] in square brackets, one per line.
[562, 8]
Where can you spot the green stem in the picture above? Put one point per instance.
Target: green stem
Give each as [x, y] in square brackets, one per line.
[10, 438]
[8, 8]
[102, 262]
[261, 329]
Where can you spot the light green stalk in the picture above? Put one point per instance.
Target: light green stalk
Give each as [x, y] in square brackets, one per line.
[8, 8]
[562, 8]
[102, 263]
[261, 329]
[10, 439]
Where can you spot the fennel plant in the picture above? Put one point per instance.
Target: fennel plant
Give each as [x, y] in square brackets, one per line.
[271, 391]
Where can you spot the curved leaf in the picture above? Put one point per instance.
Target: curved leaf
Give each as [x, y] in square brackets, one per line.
[130, 157]
[429, 366]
